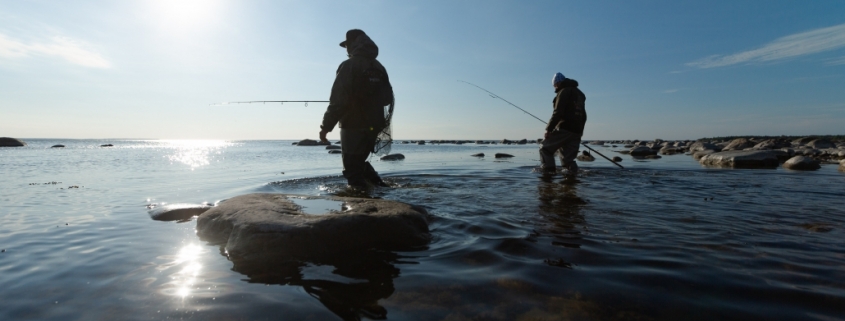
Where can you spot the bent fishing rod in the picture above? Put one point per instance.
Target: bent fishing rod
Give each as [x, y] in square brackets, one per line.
[269, 101]
[523, 110]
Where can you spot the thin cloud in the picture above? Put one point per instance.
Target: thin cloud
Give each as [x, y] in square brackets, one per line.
[805, 43]
[62, 47]
[836, 61]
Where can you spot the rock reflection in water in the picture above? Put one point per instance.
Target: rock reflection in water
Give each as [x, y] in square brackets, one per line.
[371, 273]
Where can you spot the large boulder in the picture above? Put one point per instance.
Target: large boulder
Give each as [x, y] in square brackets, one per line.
[742, 159]
[801, 163]
[739, 144]
[699, 154]
[772, 144]
[821, 144]
[264, 225]
[700, 146]
[11, 142]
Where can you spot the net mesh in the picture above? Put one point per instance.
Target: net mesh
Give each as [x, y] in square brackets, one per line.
[384, 140]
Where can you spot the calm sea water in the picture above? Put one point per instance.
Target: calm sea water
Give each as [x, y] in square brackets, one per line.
[660, 240]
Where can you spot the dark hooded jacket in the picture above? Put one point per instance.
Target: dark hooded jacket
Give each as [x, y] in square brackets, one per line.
[569, 113]
[346, 106]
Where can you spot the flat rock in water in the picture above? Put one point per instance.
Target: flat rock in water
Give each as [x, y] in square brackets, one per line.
[57, 146]
[11, 142]
[257, 226]
[642, 151]
[335, 151]
[392, 157]
[177, 212]
[801, 163]
[330, 147]
[742, 159]
[503, 155]
[106, 145]
[310, 142]
[478, 155]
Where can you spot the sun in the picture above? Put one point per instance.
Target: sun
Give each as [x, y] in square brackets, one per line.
[184, 16]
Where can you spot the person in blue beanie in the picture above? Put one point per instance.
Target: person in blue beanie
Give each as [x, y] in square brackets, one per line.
[566, 126]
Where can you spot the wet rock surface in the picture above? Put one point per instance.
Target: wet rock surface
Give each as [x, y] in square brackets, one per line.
[11, 142]
[262, 226]
[741, 159]
[503, 155]
[801, 163]
[177, 212]
[311, 142]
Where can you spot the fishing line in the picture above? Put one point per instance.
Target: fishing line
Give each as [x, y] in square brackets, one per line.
[532, 115]
[269, 101]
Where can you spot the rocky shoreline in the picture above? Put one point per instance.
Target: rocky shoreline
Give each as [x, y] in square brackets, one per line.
[805, 153]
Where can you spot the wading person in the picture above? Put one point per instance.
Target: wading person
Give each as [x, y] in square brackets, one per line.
[361, 103]
[563, 133]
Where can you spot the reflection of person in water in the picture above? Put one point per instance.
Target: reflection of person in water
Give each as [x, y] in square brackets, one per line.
[349, 301]
[560, 204]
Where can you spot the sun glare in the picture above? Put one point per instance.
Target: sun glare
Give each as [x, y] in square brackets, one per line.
[184, 16]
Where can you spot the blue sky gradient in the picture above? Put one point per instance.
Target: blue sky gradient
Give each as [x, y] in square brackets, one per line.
[650, 69]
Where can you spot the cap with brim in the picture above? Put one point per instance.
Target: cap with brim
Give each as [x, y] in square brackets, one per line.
[351, 35]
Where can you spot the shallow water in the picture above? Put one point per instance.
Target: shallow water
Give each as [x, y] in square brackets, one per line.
[660, 240]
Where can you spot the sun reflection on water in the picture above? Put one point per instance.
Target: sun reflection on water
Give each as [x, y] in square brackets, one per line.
[194, 153]
[184, 281]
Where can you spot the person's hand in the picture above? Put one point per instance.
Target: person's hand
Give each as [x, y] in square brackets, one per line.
[323, 136]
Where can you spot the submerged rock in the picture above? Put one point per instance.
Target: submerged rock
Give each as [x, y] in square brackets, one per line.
[11, 142]
[503, 155]
[177, 212]
[742, 159]
[801, 163]
[392, 157]
[261, 225]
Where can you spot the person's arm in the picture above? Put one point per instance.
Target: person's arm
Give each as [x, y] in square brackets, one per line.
[557, 114]
[337, 102]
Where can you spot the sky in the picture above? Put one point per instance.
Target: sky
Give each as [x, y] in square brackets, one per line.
[154, 69]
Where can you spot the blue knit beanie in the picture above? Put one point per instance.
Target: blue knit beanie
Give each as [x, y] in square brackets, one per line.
[558, 78]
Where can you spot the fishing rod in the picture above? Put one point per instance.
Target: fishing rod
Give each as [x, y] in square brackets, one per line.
[269, 101]
[523, 110]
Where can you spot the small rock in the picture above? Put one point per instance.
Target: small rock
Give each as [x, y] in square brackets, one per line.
[392, 157]
[106, 145]
[642, 151]
[585, 157]
[503, 155]
[335, 151]
[478, 155]
[617, 159]
[57, 146]
[330, 147]
[311, 142]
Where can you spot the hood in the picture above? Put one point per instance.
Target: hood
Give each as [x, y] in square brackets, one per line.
[363, 46]
[567, 83]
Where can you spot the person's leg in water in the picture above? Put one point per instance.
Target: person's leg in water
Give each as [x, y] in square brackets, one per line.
[569, 151]
[552, 143]
[357, 145]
